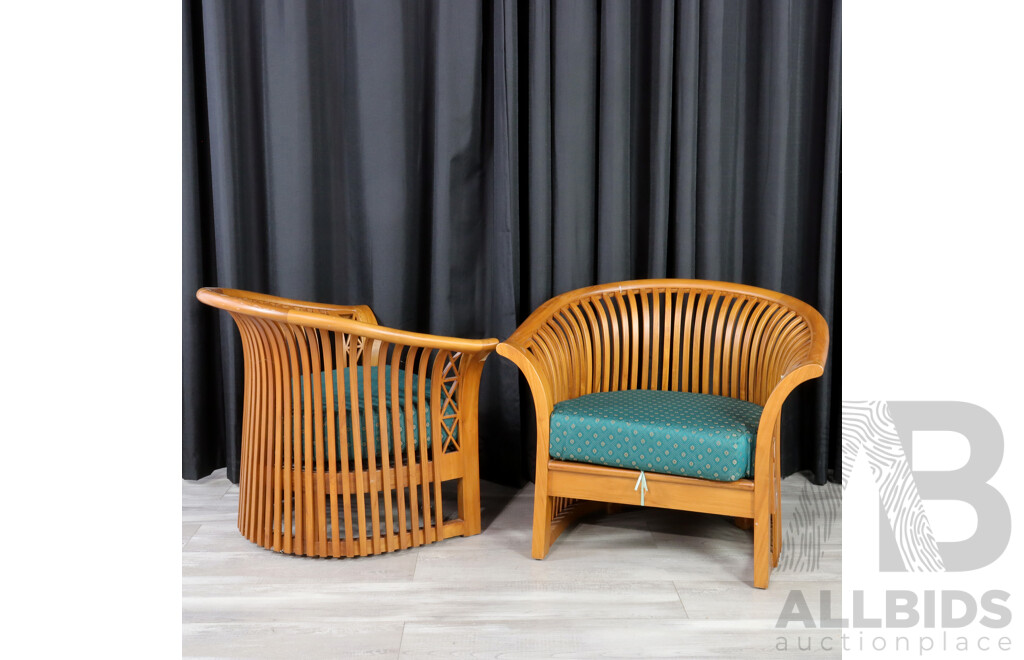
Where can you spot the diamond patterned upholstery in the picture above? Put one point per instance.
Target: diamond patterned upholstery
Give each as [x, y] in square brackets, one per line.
[680, 433]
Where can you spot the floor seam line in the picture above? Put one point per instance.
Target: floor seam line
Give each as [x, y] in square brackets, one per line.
[680, 597]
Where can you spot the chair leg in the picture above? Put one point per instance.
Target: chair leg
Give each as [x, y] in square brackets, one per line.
[542, 510]
[776, 499]
[764, 494]
[743, 523]
[469, 505]
[762, 550]
[776, 527]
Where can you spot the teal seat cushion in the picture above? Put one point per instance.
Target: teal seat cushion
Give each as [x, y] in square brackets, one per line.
[692, 435]
[374, 394]
[342, 392]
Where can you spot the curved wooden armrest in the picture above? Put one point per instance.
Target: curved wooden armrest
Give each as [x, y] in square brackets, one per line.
[247, 302]
[357, 320]
[799, 373]
[541, 385]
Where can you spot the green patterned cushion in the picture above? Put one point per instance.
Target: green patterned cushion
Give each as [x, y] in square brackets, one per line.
[693, 435]
[346, 396]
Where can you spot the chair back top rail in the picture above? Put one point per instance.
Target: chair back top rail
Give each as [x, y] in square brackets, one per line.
[357, 320]
[545, 313]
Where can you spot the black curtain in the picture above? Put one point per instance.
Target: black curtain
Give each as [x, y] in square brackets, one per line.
[455, 164]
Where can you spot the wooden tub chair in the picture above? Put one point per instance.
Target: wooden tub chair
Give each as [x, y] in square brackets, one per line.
[349, 428]
[665, 393]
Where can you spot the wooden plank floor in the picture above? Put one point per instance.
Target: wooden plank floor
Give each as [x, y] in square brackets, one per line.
[640, 583]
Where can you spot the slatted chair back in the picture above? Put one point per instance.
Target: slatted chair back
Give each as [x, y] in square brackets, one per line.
[349, 428]
[695, 336]
[686, 336]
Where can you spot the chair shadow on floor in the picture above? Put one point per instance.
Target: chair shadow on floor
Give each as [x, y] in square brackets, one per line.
[494, 499]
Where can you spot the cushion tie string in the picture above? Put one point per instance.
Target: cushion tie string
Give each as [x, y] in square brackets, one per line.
[641, 481]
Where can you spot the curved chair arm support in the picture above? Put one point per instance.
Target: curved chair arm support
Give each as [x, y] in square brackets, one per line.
[772, 410]
[248, 302]
[540, 384]
[362, 321]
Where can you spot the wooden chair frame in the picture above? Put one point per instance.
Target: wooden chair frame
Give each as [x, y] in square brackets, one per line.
[682, 335]
[295, 499]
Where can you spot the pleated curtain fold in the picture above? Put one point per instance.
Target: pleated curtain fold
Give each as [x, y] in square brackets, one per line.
[453, 164]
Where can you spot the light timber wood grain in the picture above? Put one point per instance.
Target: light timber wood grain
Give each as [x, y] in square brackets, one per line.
[304, 488]
[289, 639]
[680, 335]
[604, 638]
[241, 601]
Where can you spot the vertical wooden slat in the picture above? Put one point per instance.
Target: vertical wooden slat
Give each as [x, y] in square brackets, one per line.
[304, 503]
[705, 353]
[756, 352]
[341, 351]
[608, 356]
[547, 351]
[583, 369]
[277, 386]
[566, 342]
[271, 398]
[586, 372]
[656, 323]
[634, 344]
[541, 350]
[645, 343]
[750, 351]
[775, 353]
[620, 317]
[732, 324]
[259, 438]
[247, 468]
[357, 451]
[246, 405]
[717, 353]
[373, 489]
[678, 342]
[598, 354]
[437, 401]
[421, 374]
[610, 338]
[401, 471]
[290, 398]
[753, 322]
[315, 467]
[668, 359]
[737, 348]
[692, 334]
[385, 453]
[769, 354]
[331, 415]
[265, 489]
[255, 467]
[411, 424]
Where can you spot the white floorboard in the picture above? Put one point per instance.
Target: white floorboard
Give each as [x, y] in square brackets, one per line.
[640, 583]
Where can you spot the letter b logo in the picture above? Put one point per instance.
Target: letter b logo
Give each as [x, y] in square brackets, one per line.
[883, 431]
